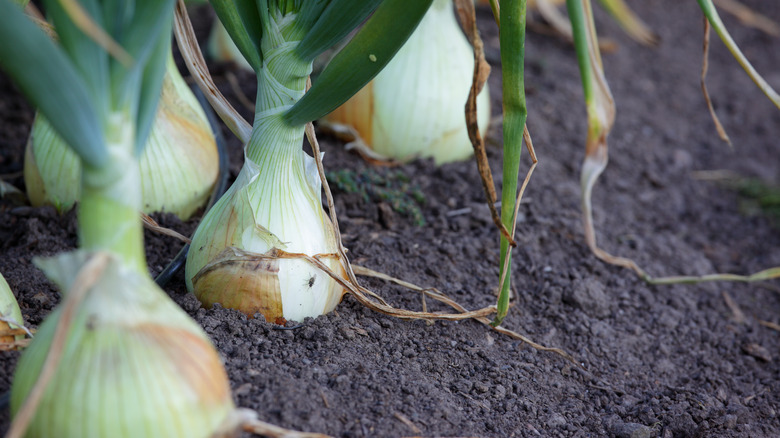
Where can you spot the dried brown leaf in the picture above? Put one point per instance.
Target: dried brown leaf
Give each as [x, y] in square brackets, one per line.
[467, 16]
[193, 58]
[704, 67]
[758, 351]
[152, 225]
[749, 17]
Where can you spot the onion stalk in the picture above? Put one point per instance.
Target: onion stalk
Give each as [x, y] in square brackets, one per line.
[414, 107]
[275, 203]
[179, 165]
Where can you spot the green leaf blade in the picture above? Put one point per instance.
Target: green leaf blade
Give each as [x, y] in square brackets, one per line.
[712, 16]
[151, 87]
[51, 82]
[241, 20]
[90, 59]
[512, 44]
[338, 19]
[138, 31]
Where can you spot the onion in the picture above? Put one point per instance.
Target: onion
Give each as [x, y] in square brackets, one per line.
[414, 108]
[133, 364]
[179, 165]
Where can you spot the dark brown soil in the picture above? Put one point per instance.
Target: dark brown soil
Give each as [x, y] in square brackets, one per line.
[668, 361]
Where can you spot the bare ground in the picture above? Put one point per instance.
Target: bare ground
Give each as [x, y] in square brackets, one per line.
[671, 361]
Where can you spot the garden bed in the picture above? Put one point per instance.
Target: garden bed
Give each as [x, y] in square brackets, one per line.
[664, 360]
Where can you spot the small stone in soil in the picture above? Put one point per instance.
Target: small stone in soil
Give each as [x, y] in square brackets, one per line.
[757, 351]
[632, 430]
[588, 295]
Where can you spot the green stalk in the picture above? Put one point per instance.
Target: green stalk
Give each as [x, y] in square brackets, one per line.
[111, 198]
[275, 145]
[281, 82]
[598, 105]
[577, 17]
[512, 40]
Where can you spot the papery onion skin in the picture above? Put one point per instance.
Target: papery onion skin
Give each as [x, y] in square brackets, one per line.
[9, 308]
[179, 165]
[134, 365]
[414, 108]
[260, 212]
[250, 286]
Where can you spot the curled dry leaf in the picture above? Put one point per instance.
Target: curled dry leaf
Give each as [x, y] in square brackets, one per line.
[152, 225]
[704, 67]
[468, 20]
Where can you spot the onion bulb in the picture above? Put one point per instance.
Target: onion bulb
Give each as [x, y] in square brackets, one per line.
[179, 164]
[414, 108]
[133, 364]
[273, 204]
[237, 255]
[9, 311]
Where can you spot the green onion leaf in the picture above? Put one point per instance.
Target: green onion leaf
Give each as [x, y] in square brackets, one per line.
[512, 43]
[336, 21]
[242, 22]
[51, 82]
[712, 16]
[138, 30]
[360, 60]
[151, 86]
[89, 58]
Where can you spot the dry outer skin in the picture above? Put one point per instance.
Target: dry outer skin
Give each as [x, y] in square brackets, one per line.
[661, 361]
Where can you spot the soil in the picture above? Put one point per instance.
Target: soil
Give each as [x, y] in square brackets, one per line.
[667, 361]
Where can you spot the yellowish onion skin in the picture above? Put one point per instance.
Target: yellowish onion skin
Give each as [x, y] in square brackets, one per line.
[217, 271]
[414, 108]
[273, 207]
[9, 308]
[133, 365]
[250, 286]
[179, 165]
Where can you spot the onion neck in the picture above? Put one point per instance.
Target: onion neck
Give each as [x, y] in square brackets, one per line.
[111, 198]
[281, 82]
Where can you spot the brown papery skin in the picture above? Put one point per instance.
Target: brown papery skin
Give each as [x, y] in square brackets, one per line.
[249, 286]
[5, 339]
